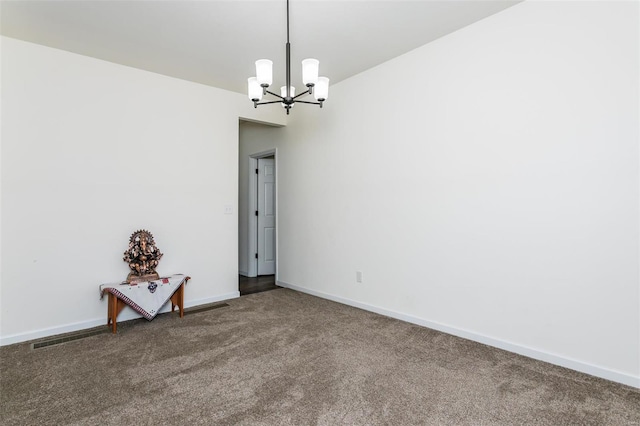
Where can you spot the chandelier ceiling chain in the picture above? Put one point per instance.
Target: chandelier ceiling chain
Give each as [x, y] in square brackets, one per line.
[317, 86]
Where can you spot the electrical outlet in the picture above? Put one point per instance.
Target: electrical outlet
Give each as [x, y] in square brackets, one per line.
[358, 276]
[228, 209]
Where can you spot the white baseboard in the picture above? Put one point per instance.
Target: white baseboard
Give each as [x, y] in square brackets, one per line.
[126, 315]
[570, 363]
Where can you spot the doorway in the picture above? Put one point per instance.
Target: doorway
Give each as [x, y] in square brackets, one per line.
[257, 213]
[257, 192]
[262, 231]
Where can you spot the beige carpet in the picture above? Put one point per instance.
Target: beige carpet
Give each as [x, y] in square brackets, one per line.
[286, 358]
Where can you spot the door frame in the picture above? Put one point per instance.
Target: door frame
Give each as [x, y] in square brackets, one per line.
[252, 270]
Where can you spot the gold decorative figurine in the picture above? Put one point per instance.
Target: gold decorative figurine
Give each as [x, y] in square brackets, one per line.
[142, 257]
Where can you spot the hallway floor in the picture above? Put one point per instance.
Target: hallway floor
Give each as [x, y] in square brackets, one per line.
[257, 284]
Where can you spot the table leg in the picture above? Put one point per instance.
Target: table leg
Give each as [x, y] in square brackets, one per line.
[109, 309]
[178, 300]
[114, 307]
[113, 311]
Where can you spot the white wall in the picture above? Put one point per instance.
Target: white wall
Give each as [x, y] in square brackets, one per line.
[91, 152]
[255, 138]
[485, 184]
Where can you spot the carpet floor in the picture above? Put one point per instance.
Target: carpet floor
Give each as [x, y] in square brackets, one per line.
[286, 358]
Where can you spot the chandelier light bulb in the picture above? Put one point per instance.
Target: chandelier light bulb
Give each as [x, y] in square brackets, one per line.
[264, 72]
[310, 71]
[321, 91]
[255, 91]
[283, 93]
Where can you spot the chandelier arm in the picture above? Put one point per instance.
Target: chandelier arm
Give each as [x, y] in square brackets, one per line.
[303, 93]
[268, 102]
[310, 103]
[273, 94]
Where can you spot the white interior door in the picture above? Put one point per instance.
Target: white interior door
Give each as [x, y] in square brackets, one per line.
[266, 216]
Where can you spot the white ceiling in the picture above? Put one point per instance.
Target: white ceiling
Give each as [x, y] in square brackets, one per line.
[217, 42]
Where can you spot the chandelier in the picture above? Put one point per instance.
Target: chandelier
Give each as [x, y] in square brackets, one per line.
[316, 86]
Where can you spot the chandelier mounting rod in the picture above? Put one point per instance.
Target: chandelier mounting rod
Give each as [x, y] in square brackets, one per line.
[288, 59]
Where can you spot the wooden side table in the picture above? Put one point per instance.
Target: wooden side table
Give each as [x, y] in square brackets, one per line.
[115, 304]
